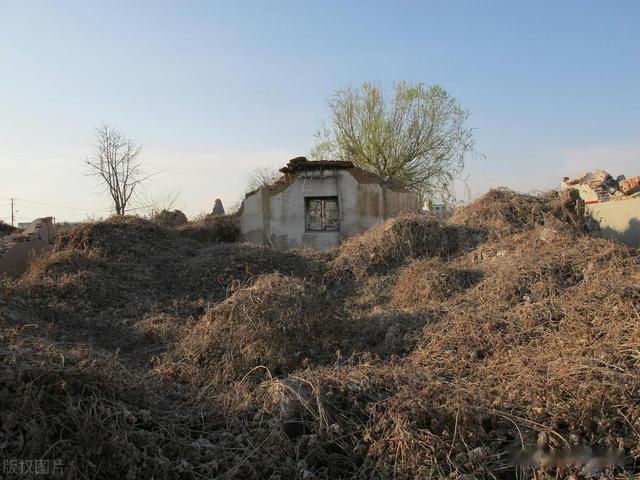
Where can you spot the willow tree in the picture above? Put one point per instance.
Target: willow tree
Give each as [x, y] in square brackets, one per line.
[417, 134]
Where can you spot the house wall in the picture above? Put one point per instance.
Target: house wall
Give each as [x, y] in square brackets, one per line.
[618, 219]
[276, 217]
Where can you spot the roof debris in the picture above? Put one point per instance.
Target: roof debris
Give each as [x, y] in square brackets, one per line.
[301, 163]
[604, 186]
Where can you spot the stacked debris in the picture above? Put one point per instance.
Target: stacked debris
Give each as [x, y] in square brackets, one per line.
[605, 186]
[631, 186]
[20, 245]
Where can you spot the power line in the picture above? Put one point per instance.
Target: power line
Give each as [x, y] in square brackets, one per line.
[77, 209]
[59, 206]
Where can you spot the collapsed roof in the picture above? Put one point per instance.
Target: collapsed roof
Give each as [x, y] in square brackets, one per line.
[301, 163]
[604, 186]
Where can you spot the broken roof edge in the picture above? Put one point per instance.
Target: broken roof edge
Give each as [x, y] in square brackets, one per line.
[301, 163]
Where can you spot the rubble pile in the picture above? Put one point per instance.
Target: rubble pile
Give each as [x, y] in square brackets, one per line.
[605, 186]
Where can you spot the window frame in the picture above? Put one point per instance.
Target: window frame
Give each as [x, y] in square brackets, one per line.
[323, 200]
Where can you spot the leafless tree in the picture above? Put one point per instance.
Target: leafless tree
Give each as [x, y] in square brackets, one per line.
[151, 204]
[261, 177]
[115, 164]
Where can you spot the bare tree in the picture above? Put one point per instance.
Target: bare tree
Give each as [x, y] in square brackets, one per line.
[151, 204]
[261, 177]
[115, 163]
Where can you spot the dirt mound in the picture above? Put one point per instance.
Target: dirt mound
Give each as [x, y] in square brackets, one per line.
[130, 237]
[212, 229]
[393, 243]
[530, 266]
[278, 324]
[456, 346]
[424, 283]
[551, 367]
[84, 418]
[168, 218]
[218, 270]
[540, 352]
[503, 212]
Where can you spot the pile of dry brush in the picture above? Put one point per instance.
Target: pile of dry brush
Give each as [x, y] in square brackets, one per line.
[6, 229]
[416, 350]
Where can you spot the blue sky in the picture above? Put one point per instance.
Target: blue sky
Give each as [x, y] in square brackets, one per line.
[214, 88]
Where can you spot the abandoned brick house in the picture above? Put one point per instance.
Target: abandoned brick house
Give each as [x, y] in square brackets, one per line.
[319, 203]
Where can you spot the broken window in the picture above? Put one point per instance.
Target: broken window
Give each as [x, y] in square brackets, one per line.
[322, 213]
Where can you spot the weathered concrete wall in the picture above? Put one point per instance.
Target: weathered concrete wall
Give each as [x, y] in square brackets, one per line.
[251, 219]
[17, 248]
[618, 219]
[276, 216]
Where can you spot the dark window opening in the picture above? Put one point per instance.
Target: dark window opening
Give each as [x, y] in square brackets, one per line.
[322, 213]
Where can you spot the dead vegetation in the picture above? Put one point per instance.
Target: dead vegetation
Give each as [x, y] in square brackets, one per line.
[502, 212]
[425, 283]
[416, 350]
[6, 229]
[394, 242]
[169, 218]
[277, 325]
[212, 229]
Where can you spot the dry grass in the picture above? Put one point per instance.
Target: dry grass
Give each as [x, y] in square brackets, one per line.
[544, 348]
[212, 229]
[170, 218]
[276, 325]
[502, 212]
[394, 242]
[130, 351]
[425, 283]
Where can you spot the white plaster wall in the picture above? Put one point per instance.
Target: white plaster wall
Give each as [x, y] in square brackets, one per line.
[251, 221]
[361, 205]
[618, 219]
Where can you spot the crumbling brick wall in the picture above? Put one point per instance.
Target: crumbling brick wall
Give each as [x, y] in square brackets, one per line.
[17, 248]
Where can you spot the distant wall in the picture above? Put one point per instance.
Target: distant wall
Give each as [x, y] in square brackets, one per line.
[17, 248]
[276, 215]
[618, 219]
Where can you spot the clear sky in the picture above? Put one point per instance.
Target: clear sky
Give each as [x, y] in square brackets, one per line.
[214, 88]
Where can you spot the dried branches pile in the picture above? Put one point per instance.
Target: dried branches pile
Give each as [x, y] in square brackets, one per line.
[278, 324]
[212, 229]
[425, 283]
[392, 243]
[132, 351]
[542, 348]
[120, 237]
[503, 212]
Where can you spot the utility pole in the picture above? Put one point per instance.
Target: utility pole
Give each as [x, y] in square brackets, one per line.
[12, 212]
